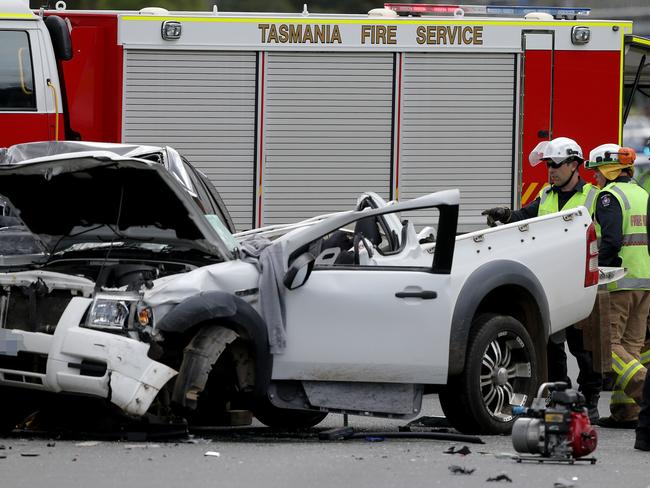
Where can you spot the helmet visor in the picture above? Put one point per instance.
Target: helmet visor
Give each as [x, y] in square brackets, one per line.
[536, 156]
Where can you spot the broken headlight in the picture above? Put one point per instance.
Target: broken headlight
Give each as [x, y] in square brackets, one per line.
[119, 312]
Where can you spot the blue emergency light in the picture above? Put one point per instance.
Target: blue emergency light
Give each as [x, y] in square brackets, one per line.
[503, 10]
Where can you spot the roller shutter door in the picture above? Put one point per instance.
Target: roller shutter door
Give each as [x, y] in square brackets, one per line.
[202, 103]
[327, 134]
[457, 130]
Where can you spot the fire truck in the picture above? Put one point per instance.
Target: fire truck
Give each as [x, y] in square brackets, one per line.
[294, 115]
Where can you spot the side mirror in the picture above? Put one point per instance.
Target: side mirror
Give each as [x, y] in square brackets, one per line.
[428, 234]
[60, 35]
[299, 271]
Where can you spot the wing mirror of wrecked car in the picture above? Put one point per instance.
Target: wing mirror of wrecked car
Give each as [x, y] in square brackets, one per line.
[428, 234]
[299, 271]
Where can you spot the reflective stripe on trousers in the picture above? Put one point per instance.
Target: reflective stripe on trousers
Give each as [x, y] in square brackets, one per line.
[620, 398]
[645, 357]
[624, 372]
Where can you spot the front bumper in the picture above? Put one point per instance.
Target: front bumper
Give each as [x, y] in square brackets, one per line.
[84, 361]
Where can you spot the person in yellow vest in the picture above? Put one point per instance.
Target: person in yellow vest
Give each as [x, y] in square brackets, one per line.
[621, 219]
[563, 157]
[642, 438]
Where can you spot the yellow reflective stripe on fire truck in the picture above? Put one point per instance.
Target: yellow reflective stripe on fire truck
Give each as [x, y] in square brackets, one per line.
[640, 40]
[620, 398]
[528, 192]
[316, 20]
[17, 16]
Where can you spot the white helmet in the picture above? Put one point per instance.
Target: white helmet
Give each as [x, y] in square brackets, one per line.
[559, 150]
[603, 154]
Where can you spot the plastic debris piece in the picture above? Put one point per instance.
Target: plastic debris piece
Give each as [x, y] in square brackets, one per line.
[563, 483]
[463, 451]
[371, 438]
[51, 444]
[140, 446]
[460, 469]
[501, 477]
[212, 454]
[505, 455]
[87, 443]
[3, 456]
[426, 421]
[29, 454]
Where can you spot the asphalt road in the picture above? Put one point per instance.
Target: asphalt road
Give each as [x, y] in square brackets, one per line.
[259, 458]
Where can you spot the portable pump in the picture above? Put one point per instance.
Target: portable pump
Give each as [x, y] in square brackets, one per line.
[556, 427]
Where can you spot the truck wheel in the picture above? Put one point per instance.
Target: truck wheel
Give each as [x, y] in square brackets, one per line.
[500, 373]
[283, 418]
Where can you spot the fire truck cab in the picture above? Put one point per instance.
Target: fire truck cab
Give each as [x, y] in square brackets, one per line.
[293, 115]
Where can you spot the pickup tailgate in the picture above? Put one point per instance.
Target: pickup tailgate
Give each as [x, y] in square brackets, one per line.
[610, 274]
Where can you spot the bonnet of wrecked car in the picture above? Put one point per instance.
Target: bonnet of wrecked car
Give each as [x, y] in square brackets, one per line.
[93, 203]
[197, 184]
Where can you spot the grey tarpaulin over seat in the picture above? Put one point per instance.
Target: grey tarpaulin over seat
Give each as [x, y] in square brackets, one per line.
[267, 256]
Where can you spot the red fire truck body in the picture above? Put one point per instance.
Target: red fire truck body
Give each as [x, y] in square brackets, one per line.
[295, 115]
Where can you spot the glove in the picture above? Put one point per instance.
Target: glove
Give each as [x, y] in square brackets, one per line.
[497, 214]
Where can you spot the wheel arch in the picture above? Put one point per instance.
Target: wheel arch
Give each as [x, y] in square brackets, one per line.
[211, 313]
[501, 287]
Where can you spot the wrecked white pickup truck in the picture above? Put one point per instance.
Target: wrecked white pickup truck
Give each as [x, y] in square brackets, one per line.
[349, 314]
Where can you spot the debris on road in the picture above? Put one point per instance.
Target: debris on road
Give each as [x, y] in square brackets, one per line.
[506, 455]
[87, 444]
[463, 451]
[140, 446]
[460, 469]
[564, 483]
[428, 421]
[29, 454]
[345, 433]
[212, 454]
[501, 477]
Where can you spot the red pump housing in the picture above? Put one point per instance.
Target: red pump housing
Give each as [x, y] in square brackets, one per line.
[583, 438]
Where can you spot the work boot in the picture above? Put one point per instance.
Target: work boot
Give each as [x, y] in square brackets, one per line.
[591, 402]
[642, 444]
[611, 423]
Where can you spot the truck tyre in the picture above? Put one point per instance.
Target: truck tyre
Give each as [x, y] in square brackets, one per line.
[500, 372]
[284, 418]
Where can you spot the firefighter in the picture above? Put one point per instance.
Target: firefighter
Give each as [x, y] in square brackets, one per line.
[563, 157]
[621, 217]
[642, 441]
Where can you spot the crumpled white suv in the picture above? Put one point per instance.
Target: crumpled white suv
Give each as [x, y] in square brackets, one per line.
[143, 298]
